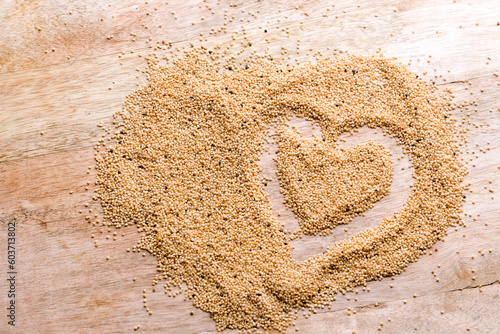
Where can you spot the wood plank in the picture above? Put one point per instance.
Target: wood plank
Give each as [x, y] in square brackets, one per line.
[65, 284]
[67, 99]
[65, 102]
[81, 29]
[419, 315]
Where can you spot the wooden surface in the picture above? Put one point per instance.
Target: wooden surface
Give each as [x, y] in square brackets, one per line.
[68, 65]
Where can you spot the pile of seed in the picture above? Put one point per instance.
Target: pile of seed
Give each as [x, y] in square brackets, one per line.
[183, 167]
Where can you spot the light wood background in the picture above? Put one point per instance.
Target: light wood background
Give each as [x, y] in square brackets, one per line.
[68, 65]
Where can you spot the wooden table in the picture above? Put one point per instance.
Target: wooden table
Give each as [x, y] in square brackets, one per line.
[67, 66]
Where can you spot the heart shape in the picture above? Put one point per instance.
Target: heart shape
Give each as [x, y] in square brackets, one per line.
[329, 186]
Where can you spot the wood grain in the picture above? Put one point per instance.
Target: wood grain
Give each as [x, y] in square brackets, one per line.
[66, 285]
